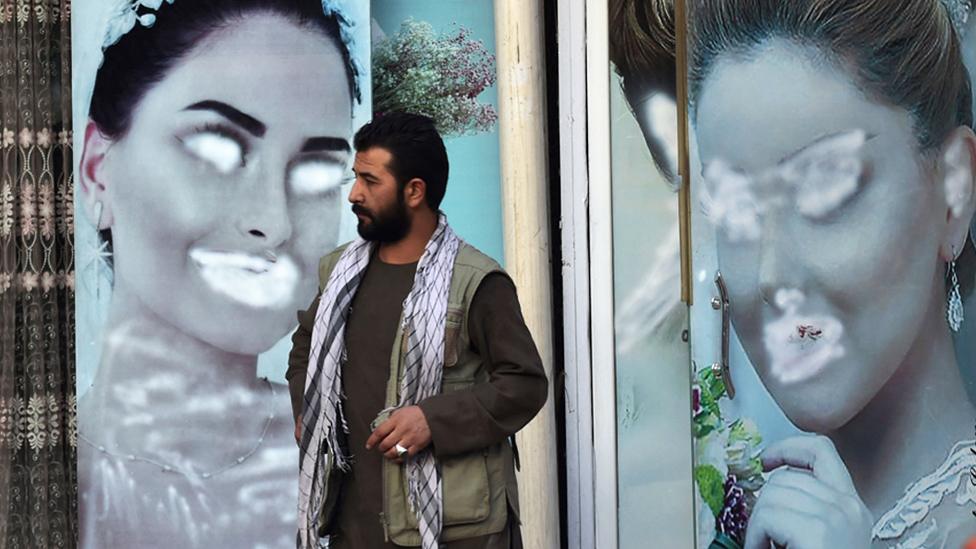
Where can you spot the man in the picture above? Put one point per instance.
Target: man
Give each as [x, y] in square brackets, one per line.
[410, 377]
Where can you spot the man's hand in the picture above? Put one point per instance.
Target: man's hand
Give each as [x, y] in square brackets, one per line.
[298, 430]
[406, 427]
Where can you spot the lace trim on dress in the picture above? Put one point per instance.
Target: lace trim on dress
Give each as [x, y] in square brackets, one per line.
[925, 494]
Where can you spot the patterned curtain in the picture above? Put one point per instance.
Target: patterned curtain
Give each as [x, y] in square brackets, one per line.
[38, 486]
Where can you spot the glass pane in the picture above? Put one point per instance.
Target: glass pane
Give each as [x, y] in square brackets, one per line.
[653, 438]
[832, 187]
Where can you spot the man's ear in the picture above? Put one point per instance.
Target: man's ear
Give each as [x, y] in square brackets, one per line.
[91, 176]
[958, 164]
[415, 193]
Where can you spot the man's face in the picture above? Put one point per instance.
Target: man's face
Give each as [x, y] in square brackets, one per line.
[377, 199]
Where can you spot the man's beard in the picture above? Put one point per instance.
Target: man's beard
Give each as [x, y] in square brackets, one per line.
[387, 226]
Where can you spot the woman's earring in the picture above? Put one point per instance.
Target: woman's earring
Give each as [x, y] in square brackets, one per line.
[954, 311]
[102, 252]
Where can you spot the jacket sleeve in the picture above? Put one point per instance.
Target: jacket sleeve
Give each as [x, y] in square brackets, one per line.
[516, 389]
[301, 346]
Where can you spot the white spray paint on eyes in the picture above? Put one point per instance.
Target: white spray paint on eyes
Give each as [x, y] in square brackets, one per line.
[223, 153]
[309, 178]
[816, 182]
[825, 175]
[800, 345]
[730, 202]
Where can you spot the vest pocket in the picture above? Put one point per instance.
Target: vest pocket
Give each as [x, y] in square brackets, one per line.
[466, 490]
[452, 336]
[464, 483]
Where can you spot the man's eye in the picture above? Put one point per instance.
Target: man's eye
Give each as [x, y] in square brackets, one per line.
[316, 177]
[224, 153]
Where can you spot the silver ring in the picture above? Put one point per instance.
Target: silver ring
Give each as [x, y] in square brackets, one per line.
[401, 451]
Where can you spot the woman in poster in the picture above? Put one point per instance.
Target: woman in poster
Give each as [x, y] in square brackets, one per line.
[838, 153]
[217, 139]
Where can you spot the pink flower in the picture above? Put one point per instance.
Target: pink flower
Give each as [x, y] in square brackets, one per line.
[69, 280]
[8, 135]
[28, 209]
[5, 280]
[48, 281]
[44, 138]
[46, 210]
[6, 210]
[65, 209]
[26, 138]
[64, 137]
[29, 281]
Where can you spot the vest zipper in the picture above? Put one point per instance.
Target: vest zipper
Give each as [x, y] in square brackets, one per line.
[386, 531]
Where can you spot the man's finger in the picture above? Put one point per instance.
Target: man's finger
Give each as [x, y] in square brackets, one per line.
[813, 453]
[390, 441]
[380, 433]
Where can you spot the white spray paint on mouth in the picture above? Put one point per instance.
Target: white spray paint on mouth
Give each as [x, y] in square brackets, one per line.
[800, 345]
[248, 279]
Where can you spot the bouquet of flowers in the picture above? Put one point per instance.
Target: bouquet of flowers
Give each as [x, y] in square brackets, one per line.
[728, 473]
[441, 76]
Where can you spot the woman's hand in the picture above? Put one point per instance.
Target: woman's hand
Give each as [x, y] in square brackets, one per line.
[809, 501]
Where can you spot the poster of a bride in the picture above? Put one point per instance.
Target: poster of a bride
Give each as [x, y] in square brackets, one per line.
[217, 137]
[833, 159]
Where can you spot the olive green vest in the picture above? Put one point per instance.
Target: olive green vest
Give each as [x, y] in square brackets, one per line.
[479, 486]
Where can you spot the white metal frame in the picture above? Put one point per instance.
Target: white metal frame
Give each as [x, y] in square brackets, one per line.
[571, 39]
[587, 240]
[603, 355]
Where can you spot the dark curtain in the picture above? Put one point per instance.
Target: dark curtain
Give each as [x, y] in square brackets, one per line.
[38, 485]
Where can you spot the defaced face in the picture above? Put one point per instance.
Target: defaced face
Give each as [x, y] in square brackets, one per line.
[224, 192]
[829, 228]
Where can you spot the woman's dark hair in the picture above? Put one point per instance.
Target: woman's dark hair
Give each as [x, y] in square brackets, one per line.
[899, 52]
[642, 45]
[145, 55]
[416, 148]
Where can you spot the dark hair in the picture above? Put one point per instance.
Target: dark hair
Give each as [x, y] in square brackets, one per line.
[900, 52]
[144, 55]
[416, 147]
[642, 46]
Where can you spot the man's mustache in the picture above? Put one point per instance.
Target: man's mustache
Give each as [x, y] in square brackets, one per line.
[357, 209]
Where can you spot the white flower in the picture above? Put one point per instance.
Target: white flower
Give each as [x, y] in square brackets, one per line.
[710, 450]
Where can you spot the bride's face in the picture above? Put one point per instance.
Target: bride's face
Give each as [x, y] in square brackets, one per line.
[832, 277]
[224, 192]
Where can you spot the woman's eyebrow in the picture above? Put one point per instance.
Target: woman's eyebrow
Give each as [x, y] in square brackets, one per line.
[820, 140]
[253, 126]
[317, 144]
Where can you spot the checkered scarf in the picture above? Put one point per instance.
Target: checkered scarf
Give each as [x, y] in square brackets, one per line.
[424, 316]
